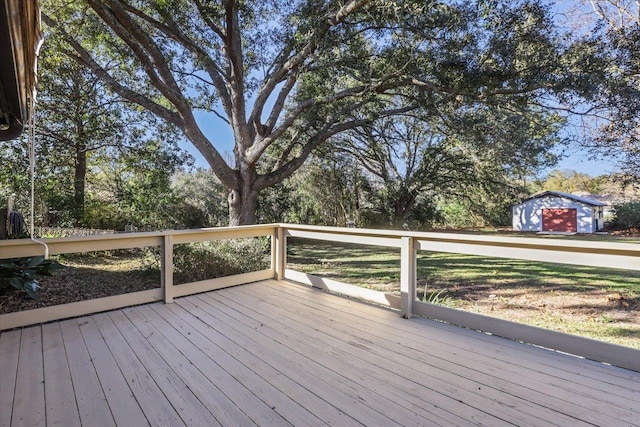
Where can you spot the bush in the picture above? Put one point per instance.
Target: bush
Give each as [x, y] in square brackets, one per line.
[626, 215]
[456, 215]
[208, 260]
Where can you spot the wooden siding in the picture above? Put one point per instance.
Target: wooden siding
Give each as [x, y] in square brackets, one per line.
[276, 353]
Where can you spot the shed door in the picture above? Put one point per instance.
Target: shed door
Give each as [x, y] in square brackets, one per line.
[560, 220]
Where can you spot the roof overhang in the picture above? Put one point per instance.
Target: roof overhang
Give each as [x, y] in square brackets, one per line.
[549, 193]
[20, 38]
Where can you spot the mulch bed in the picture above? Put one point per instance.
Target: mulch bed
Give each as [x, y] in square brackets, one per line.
[84, 280]
[629, 232]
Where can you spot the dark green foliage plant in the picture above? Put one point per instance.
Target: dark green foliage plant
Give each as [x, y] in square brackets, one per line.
[22, 274]
[209, 260]
[212, 259]
[202, 198]
[626, 215]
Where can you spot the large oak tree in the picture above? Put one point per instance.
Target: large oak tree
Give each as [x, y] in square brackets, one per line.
[287, 76]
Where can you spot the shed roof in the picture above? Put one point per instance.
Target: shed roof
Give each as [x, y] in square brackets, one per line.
[570, 196]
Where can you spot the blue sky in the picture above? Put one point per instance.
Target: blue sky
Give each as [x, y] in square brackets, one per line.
[580, 162]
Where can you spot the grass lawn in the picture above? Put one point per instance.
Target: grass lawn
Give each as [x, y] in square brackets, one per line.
[594, 302]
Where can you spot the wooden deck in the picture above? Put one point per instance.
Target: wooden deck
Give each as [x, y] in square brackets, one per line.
[276, 353]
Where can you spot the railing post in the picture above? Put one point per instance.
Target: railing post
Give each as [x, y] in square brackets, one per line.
[279, 254]
[408, 266]
[274, 237]
[166, 268]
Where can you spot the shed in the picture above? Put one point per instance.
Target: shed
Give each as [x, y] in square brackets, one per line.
[555, 211]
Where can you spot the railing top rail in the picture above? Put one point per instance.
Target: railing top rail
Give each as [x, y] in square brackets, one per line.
[139, 234]
[472, 239]
[12, 248]
[59, 245]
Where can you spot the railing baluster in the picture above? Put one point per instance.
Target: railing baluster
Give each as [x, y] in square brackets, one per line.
[166, 267]
[274, 237]
[280, 257]
[408, 265]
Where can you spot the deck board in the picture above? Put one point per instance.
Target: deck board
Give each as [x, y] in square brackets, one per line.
[458, 385]
[222, 408]
[267, 384]
[321, 380]
[9, 354]
[519, 365]
[275, 353]
[114, 385]
[280, 369]
[29, 398]
[90, 399]
[333, 352]
[221, 385]
[522, 382]
[506, 354]
[61, 404]
[158, 409]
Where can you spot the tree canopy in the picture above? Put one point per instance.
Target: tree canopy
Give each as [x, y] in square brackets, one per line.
[619, 36]
[288, 76]
[94, 150]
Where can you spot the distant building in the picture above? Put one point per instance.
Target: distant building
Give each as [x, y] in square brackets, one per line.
[554, 211]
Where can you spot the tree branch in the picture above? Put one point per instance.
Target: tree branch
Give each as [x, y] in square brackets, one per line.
[287, 169]
[84, 58]
[292, 65]
[143, 47]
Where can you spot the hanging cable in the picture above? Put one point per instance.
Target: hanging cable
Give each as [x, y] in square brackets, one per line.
[32, 167]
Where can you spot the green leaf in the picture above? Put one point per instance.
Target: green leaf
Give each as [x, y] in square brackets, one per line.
[17, 283]
[55, 266]
[36, 260]
[7, 265]
[32, 293]
[22, 273]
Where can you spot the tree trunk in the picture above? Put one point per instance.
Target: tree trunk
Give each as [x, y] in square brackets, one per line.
[242, 207]
[243, 200]
[402, 207]
[79, 180]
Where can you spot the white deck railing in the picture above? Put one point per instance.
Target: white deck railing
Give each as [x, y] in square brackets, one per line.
[588, 253]
[165, 240]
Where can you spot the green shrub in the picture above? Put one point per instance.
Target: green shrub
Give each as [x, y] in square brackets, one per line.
[626, 215]
[455, 214]
[208, 260]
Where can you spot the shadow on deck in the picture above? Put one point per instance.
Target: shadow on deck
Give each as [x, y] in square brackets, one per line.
[277, 353]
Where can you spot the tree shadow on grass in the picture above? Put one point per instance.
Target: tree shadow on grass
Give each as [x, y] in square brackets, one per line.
[354, 271]
[624, 332]
[613, 304]
[465, 277]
